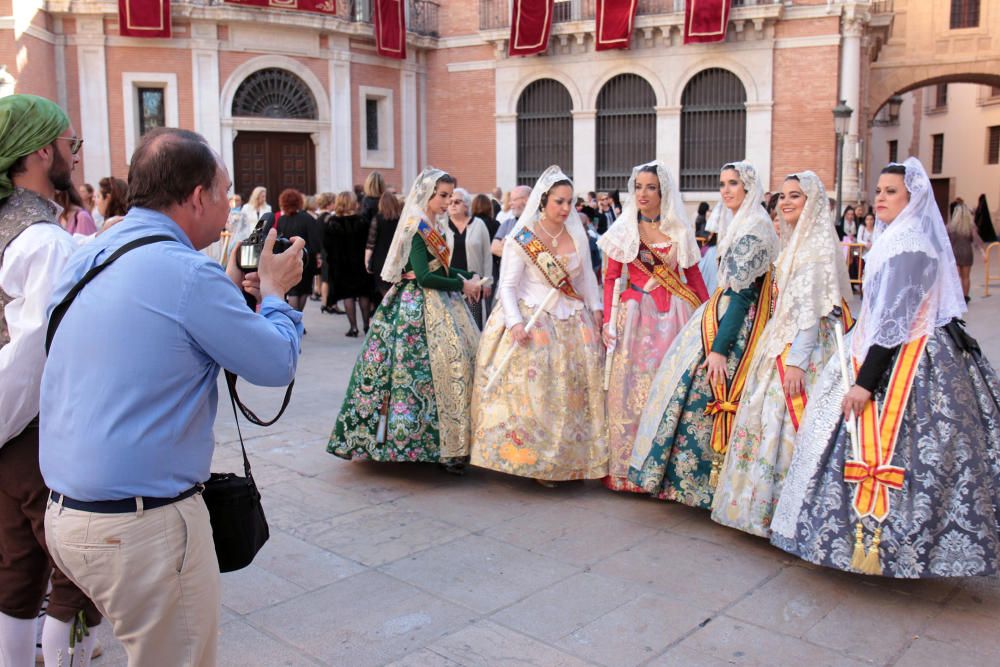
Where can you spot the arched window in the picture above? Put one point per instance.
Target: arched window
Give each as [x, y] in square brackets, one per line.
[713, 127]
[274, 93]
[626, 129]
[544, 130]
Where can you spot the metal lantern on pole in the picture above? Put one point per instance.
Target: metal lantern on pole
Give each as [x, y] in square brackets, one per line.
[841, 123]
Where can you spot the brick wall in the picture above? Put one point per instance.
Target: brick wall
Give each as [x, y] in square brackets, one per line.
[805, 92]
[461, 130]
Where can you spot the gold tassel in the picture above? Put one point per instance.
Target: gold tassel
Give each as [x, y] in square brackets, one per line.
[713, 478]
[858, 557]
[872, 563]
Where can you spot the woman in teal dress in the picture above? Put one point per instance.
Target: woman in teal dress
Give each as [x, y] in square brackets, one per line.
[684, 429]
[409, 394]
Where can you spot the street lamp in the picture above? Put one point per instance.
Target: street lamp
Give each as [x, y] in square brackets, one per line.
[894, 103]
[841, 124]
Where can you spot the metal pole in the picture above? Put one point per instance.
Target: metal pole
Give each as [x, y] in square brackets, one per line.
[840, 176]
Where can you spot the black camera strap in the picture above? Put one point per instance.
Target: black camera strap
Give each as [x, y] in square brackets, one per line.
[60, 310]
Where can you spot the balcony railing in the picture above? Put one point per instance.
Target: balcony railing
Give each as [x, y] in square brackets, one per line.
[494, 14]
[881, 6]
[422, 19]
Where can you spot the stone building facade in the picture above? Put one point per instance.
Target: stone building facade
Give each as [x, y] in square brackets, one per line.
[297, 98]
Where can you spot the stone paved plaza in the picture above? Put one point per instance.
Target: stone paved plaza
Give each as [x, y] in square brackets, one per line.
[406, 565]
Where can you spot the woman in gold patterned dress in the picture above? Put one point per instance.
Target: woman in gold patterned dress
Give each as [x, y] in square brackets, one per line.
[542, 416]
[408, 397]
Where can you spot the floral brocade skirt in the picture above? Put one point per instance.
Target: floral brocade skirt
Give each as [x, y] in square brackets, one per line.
[944, 520]
[672, 456]
[763, 441]
[416, 368]
[644, 335]
[544, 417]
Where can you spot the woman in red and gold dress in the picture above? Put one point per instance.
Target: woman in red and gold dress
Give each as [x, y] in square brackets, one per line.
[653, 269]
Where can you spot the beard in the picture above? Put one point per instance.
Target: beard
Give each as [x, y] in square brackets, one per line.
[60, 173]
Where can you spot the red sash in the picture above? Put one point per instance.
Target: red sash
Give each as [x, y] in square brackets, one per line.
[546, 261]
[436, 243]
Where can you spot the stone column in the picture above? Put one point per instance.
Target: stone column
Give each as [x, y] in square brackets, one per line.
[668, 139]
[759, 140]
[93, 80]
[408, 115]
[342, 139]
[506, 128]
[584, 150]
[205, 83]
[850, 92]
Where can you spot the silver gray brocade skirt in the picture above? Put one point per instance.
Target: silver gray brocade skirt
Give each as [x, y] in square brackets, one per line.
[944, 521]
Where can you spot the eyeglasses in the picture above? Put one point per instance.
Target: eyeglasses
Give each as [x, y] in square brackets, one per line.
[456, 201]
[75, 144]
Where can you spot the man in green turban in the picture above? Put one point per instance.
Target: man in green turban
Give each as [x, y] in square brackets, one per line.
[38, 149]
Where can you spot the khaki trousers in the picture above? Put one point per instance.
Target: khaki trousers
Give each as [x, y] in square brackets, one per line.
[152, 573]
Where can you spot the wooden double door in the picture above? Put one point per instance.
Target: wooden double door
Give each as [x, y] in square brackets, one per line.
[276, 160]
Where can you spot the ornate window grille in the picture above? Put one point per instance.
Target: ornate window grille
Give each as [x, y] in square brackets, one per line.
[274, 93]
[713, 127]
[544, 130]
[626, 129]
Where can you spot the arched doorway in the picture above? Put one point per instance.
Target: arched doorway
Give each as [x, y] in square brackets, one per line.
[626, 129]
[713, 127]
[275, 159]
[544, 130]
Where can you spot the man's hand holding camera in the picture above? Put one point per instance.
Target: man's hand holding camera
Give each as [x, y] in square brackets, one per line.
[275, 274]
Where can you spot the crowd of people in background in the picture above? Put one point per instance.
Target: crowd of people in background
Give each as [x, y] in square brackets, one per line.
[348, 235]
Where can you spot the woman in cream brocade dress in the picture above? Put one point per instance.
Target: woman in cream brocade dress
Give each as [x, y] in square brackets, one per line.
[544, 417]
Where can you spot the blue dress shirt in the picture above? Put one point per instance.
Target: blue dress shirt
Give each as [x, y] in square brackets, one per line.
[129, 391]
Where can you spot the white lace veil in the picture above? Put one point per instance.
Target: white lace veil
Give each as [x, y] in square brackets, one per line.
[621, 241]
[811, 273]
[413, 212]
[719, 219]
[530, 215]
[741, 263]
[911, 283]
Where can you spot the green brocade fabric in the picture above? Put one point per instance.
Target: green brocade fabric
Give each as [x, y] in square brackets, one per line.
[395, 361]
[679, 463]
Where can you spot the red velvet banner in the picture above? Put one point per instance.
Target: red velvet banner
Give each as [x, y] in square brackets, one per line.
[390, 28]
[705, 21]
[615, 20]
[530, 27]
[319, 6]
[144, 18]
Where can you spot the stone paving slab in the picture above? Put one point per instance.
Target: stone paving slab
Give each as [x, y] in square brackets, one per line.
[379, 564]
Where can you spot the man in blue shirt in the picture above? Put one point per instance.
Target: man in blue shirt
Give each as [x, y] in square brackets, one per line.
[129, 397]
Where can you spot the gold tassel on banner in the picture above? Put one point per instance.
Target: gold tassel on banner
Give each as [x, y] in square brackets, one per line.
[858, 557]
[872, 563]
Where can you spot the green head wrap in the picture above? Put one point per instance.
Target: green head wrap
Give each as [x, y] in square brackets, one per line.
[27, 123]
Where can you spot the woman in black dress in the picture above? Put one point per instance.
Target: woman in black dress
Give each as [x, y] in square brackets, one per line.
[380, 232]
[346, 233]
[294, 221]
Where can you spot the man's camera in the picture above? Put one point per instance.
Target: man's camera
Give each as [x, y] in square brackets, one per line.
[251, 248]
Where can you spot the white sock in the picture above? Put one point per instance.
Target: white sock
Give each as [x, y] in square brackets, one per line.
[55, 645]
[17, 641]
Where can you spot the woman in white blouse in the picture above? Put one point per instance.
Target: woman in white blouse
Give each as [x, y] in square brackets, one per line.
[255, 208]
[538, 409]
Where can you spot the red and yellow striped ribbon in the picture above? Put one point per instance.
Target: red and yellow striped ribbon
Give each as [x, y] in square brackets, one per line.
[727, 398]
[874, 474]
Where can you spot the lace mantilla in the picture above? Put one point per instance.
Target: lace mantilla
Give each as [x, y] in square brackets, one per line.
[621, 241]
[413, 212]
[749, 245]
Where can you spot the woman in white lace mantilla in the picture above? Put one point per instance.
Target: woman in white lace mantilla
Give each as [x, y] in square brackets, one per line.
[543, 414]
[684, 428]
[812, 284]
[653, 268]
[916, 493]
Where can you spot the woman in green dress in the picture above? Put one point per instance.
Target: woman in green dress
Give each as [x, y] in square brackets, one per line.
[409, 394]
[684, 429]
